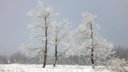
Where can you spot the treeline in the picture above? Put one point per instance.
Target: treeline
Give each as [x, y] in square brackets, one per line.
[23, 59]
[120, 51]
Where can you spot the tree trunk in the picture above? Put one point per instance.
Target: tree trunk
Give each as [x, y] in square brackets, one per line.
[46, 42]
[55, 56]
[92, 59]
[92, 47]
[55, 51]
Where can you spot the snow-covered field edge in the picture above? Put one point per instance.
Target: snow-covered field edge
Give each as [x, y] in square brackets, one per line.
[49, 68]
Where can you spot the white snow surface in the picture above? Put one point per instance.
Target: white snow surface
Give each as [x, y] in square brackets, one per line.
[49, 68]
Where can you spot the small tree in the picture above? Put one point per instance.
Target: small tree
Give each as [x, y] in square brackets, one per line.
[59, 32]
[117, 65]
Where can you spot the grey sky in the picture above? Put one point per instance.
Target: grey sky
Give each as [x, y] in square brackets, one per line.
[112, 17]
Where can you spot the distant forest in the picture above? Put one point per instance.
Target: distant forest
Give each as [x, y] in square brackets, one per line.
[18, 57]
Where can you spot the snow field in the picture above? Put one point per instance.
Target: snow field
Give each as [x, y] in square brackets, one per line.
[49, 68]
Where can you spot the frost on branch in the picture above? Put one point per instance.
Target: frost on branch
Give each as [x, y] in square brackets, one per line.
[37, 26]
[88, 17]
[41, 12]
[60, 30]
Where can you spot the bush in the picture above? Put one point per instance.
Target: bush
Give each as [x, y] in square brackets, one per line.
[117, 65]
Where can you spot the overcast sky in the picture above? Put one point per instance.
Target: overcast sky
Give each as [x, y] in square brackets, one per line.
[112, 17]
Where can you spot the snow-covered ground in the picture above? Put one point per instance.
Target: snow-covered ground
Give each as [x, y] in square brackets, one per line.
[49, 68]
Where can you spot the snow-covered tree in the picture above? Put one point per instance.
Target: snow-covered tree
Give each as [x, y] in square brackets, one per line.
[41, 29]
[87, 41]
[58, 32]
